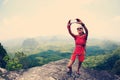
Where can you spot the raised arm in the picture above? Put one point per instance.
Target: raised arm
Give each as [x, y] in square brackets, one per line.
[83, 25]
[69, 29]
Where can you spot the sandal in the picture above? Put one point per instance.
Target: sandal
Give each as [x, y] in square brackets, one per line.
[69, 71]
[78, 73]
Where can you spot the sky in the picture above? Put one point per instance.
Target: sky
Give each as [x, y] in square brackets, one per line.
[32, 18]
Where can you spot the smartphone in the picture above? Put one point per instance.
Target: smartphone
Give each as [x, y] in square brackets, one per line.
[73, 21]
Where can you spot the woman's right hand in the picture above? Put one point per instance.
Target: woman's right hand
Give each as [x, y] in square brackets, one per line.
[69, 23]
[78, 21]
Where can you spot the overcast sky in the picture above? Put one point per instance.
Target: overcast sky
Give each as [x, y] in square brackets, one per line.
[32, 18]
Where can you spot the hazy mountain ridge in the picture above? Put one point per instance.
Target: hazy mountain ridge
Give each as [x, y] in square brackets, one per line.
[90, 41]
[53, 42]
[41, 39]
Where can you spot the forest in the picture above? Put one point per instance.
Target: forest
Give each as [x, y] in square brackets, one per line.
[100, 55]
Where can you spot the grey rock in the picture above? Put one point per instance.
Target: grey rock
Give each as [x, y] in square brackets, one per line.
[57, 71]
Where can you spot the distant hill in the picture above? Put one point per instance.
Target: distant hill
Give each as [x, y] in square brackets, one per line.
[61, 43]
[58, 38]
[13, 42]
[32, 43]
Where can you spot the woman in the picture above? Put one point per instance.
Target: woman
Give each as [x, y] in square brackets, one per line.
[80, 44]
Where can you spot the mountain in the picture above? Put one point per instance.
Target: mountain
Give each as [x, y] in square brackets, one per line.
[58, 38]
[43, 43]
[56, 71]
[13, 42]
[30, 43]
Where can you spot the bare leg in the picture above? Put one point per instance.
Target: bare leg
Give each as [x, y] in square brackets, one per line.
[70, 65]
[79, 65]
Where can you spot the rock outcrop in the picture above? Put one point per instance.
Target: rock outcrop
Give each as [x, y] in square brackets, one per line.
[56, 71]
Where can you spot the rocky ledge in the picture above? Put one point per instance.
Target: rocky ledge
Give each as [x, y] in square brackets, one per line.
[56, 71]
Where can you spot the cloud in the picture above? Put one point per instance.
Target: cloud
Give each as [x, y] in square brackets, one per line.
[39, 17]
[5, 2]
[116, 19]
[87, 1]
[49, 20]
[31, 26]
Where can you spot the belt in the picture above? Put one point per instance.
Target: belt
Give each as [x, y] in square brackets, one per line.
[80, 45]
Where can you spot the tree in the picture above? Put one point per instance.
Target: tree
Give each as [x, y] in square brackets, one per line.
[17, 62]
[116, 68]
[3, 53]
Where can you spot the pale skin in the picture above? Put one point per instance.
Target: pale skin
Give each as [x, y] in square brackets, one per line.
[80, 32]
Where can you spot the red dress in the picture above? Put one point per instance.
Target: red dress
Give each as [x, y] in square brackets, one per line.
[80, 43]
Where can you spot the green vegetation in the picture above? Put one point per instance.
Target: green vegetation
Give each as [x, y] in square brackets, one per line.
[45, 57]
[15, 63]
[3, 53]
[101, 55]
[21, 61]
[116, 67]
[109, 62]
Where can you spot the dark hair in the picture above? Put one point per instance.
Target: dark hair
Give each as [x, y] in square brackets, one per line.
[79, 28]
[83, 32]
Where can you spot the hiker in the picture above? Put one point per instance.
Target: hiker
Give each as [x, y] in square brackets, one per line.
[80, 44]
